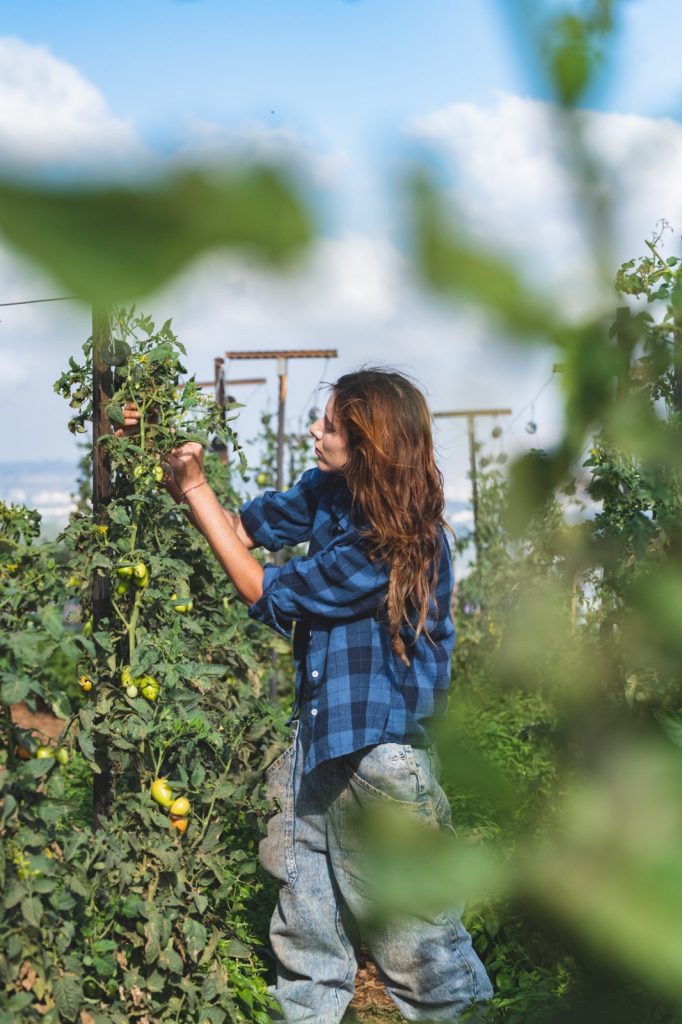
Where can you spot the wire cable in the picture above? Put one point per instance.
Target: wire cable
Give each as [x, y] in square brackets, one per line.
[30, 302]
[531, 403]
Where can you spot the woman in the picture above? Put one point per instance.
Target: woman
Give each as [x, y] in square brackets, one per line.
[372, 646]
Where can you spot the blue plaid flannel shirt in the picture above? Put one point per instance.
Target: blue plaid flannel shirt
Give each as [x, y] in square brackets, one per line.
[356, 691]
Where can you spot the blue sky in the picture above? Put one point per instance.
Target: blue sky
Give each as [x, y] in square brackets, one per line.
[349, 89]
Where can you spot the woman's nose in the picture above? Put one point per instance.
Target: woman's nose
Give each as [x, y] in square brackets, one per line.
[315, 430]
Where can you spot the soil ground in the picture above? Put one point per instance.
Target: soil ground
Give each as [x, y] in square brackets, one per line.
[43, 725]
[370, 1004]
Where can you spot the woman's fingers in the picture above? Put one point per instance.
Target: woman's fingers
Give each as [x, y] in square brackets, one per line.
[131, 421]
[186, 453]
[187, 463]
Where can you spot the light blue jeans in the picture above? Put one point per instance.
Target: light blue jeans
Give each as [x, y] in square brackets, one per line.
[325, 903]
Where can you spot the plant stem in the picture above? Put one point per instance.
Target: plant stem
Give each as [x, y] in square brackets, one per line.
[132, 625]
[226, 770]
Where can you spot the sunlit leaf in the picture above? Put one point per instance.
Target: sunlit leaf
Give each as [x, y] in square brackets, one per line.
[117, 242]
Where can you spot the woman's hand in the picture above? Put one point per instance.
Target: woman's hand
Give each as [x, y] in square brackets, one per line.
[187, 465]
[131, 426]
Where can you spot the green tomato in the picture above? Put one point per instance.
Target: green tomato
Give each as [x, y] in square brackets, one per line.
[149, 687]
[124, 571]
[180, 807]
[158, 473]
[131, 691]
[138, 471]
[141, 575]
[183, 605]
[44, 752]
[162, 792]
[62, 755]
[262, 479]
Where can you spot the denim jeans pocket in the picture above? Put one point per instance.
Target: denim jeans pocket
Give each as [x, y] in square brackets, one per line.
[276, 848]
[400, 775]
[386, 772]
[391, 790]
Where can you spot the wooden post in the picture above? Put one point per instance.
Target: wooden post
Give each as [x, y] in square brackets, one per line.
[471, 415]
[282, 356]
[219, 385]
[219, 395]
[474, 484]
[102, 383]
[282, 398]
[677, 361]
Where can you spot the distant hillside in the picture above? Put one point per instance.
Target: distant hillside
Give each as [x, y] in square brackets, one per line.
[49, 486]
[46, 486]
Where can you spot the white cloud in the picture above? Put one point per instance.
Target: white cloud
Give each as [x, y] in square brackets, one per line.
[513, 185]
[51, 114]
[346, 281]
[354, 294]
[211, 141]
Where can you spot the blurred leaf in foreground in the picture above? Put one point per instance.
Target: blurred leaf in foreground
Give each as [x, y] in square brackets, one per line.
[614, 870]
[453, 264]
[118, 242]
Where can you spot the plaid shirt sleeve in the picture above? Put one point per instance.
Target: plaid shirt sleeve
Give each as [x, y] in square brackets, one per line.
[338, 583]
[277, 518]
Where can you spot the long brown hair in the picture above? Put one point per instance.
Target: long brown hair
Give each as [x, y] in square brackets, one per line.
[396, 485]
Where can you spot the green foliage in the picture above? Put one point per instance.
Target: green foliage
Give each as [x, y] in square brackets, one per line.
[562, 756]
[134, 917]
[297, 453]
[117, 242]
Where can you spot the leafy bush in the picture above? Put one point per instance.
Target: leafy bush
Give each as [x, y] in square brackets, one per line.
[134, 919]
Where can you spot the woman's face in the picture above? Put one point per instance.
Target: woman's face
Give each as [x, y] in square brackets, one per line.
[331, 441]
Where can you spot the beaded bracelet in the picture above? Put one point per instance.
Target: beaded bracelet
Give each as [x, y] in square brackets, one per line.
[193, 487]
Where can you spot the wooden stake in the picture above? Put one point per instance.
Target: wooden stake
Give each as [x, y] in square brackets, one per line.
[471, 415]
[102, 384]
[282, 356]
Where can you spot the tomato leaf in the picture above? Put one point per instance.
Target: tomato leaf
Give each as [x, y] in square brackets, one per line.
[15, 689]
[152, 930]
[115, 413]
[171, 959]
[14, 893]
[68, 995]
[32, 911]
[195, 936]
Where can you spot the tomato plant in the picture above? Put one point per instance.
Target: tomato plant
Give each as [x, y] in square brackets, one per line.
[145, 915]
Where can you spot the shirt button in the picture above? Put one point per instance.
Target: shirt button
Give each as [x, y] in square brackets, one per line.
[313, 711]
[315, 674]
